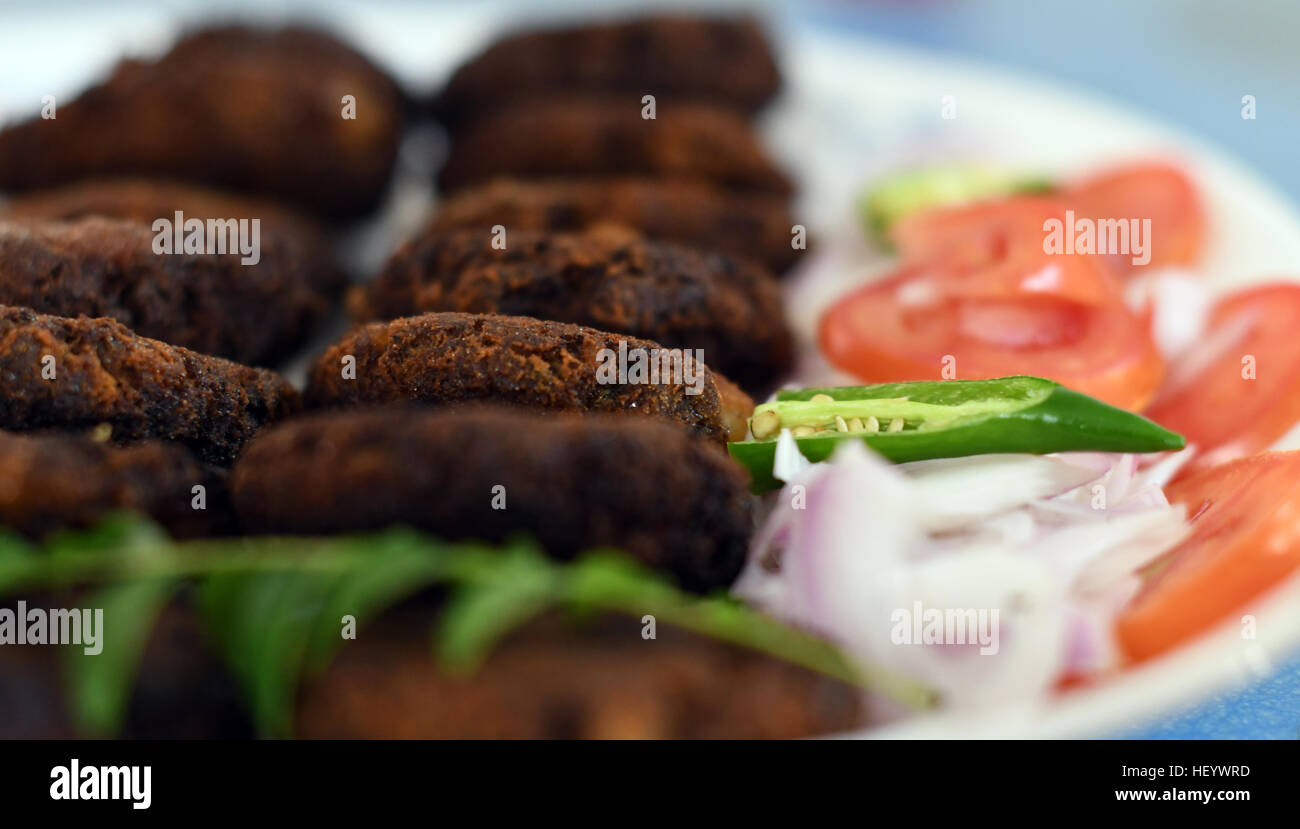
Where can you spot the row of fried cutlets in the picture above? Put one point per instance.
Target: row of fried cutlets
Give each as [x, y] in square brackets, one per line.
[573, 227]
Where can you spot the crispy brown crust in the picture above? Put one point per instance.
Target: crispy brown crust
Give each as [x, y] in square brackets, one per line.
[554, 680]
[585, 137]
[48, 482]
[449, 358]
[142, 388]
[253, 110]
[574, 483]
[750, 226]
[257, 313]
[147, 199]
[724, 61]
[673, 295]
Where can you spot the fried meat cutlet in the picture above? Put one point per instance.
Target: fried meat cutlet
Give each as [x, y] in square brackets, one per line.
[50, 482]
[749, 226]
[214, 303]
[549, 679]
[556, 680]
[574, 483]
[149, 199]
[450, 358]
[585, 137]
[255, 110]
[672, 295]
[63, 373]
[724, 61]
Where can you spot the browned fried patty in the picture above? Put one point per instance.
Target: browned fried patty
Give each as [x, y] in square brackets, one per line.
[556, 680]
[584, 137]
[719, 60]
[102, 372]
[673, 295]
[451, 358]
[248, 109]
[48, 482]
[213, 303]
[149, 199]
[749, 226]
[549, 679]
[574, 483]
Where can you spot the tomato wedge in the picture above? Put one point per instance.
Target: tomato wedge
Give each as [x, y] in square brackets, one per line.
[1245, 539]
[1246, 393]
[909, 327]
[1153, 190]
[995, 249]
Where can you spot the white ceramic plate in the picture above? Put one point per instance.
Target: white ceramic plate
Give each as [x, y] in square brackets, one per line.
[853, 108]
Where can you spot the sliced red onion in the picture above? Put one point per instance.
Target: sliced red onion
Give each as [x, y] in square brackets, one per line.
[789, 462]
[855, 547]
[1166, 466]
[960, 490]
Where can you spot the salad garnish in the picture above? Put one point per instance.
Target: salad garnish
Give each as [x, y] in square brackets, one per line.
[945, 419]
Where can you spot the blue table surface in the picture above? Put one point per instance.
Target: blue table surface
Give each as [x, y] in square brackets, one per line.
[1187, 63]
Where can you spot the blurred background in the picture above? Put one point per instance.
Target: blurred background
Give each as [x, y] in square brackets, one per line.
[1186, 63]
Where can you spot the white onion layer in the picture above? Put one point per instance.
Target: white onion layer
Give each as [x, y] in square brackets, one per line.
[1040, 550]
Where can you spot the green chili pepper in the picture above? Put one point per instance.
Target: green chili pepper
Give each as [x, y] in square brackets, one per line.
[945, 419]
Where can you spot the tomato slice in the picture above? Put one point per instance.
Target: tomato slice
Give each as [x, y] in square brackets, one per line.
[996, 249]
[1226, 411]
[941, 229]
[908, 328]
[1245, 538]
[1156, 191]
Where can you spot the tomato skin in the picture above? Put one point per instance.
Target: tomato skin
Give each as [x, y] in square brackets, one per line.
[1226, 415]
[1152, 190]
[977, 285]
[995, 249]
[1245, 538]
[942, 231]
[899, 329]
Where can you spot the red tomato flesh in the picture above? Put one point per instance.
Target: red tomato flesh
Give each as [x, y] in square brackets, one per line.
[909, 328]
[1248, 395]
[995, 249]
[1156, 191]
[1245, 539]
